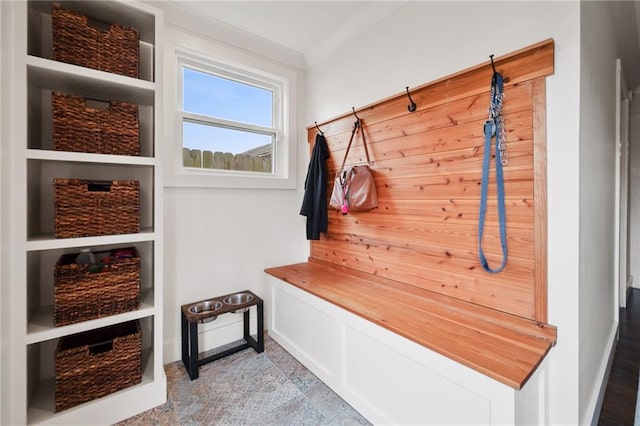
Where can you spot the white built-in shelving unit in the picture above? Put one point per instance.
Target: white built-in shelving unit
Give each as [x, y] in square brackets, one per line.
[29, 247]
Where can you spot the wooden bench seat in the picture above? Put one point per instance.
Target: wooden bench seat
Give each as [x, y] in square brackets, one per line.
[505, 347]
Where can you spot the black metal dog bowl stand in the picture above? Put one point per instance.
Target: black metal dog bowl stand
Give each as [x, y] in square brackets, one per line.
[207, 310]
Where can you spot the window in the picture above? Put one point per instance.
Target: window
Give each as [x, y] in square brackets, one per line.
[232, 119]
[229, 121]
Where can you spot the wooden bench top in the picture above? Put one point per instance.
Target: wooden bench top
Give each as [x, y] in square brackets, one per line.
[505, 347]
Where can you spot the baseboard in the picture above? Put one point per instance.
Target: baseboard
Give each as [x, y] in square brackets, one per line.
[597, 396]
[636, 418]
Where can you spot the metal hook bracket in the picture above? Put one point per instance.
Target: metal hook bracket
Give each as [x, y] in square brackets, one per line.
[321, 132]
[493, 66]
[357, 122]
[412, 106]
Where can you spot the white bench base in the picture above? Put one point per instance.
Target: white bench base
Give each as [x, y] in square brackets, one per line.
[388, 378]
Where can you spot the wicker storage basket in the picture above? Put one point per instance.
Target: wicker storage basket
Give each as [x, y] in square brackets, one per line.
[82, 293]
[78, 128]
[95, 363]
[103, 46]
[85, 208]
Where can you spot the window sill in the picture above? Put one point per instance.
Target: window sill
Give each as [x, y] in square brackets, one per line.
[239, 181]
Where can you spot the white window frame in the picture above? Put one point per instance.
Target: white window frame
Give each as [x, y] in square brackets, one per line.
[241, 76]
[238, 66]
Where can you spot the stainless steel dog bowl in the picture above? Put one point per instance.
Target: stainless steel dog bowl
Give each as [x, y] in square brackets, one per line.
[206, 307]
[238, 299]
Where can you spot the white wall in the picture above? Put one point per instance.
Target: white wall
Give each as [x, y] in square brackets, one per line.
[218, 241]
[598, 54]
[634, 191]
[1, 126]
[6, 55]
[423, 41]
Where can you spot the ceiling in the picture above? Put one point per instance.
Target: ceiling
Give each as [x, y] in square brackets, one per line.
[297, 25]
[308, 27]
[314, 28]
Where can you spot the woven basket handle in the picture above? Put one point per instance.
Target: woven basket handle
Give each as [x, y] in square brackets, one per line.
[99, 186]
[101, 347]
[96, 24]
[97, 104]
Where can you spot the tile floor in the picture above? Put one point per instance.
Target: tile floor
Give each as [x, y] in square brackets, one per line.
[271, 388]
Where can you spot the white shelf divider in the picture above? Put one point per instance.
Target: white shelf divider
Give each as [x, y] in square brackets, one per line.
[49, 155]
[41, 328]
[49, 242]
[71, 78]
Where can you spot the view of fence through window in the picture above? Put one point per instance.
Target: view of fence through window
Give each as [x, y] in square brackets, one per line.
[227, 124]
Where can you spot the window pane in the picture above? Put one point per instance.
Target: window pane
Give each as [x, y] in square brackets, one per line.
[212, 147]
[219, 97]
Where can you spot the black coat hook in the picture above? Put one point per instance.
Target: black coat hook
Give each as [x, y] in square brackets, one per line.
[492, 64]
[357, 123]
[321, 132]
[412, 106]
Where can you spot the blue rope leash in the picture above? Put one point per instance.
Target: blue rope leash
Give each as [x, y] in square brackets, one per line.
[494, 126]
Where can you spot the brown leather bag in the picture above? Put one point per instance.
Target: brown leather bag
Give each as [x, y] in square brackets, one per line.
[354, 188]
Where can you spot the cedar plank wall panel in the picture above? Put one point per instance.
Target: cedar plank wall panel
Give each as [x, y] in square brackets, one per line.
[428, 168]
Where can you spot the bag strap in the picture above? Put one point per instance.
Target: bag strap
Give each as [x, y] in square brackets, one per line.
[356, 125]
[494, 126]
[364, 141]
